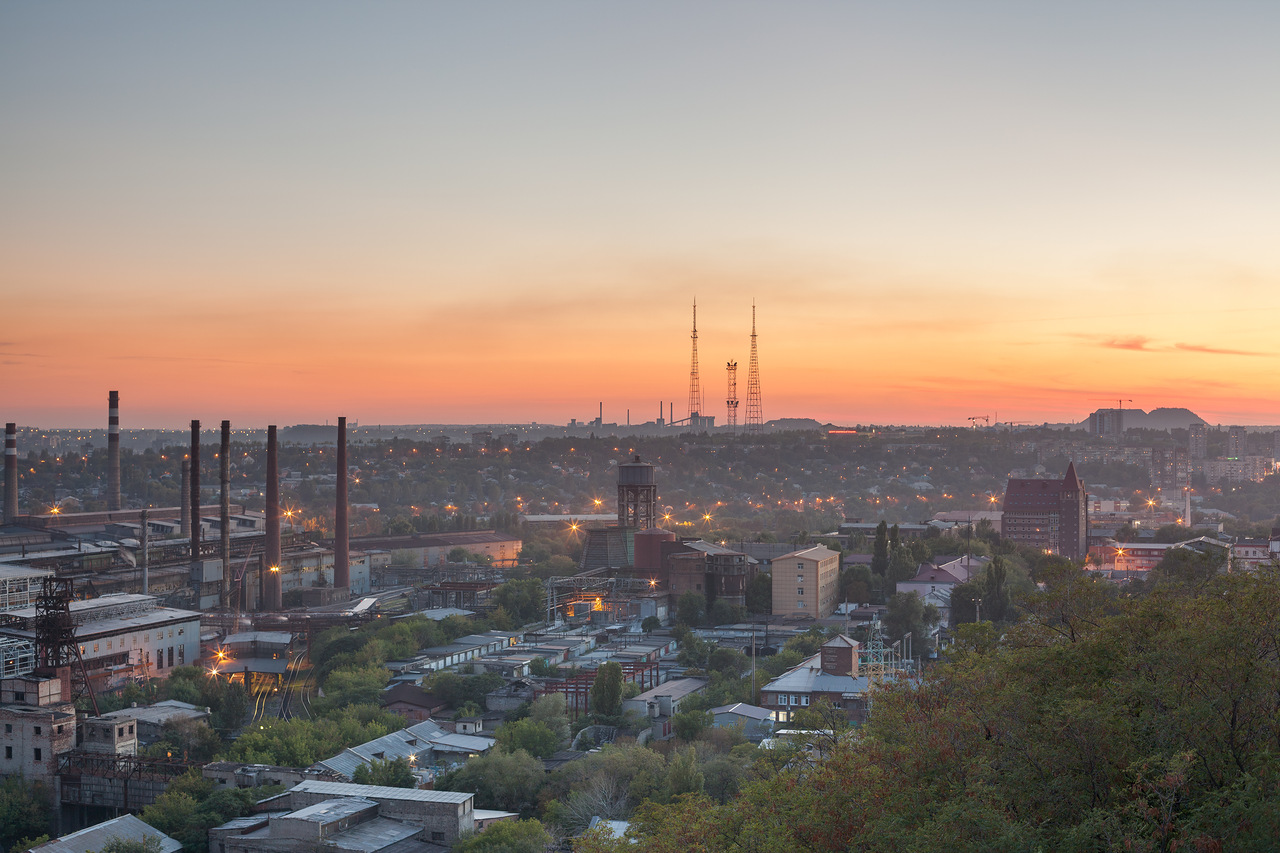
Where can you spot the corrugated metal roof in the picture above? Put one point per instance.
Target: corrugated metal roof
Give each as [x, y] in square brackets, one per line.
[380, 792]
[90, 840]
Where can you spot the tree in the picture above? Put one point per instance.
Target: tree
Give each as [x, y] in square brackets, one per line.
[689, 724]
[500, 780]
[724, 613]
[683, 776]
[650, 624]
[533, 737]
[606, 690]
[552, 711]
[908, 613]
[760, 593]
[880, 550]
[25, 810]
[690, 608]
[392, 773]
[522, 836]
[995, 590]
[525, 600]
[148, 844]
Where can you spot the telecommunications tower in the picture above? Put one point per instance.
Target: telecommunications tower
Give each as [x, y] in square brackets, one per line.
[695, 387]
[755, 418]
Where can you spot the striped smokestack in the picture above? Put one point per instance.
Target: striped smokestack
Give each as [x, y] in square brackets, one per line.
[341, 540]
[10, 472]
[113, 450]
[184, 498]
[194, 495]
[269, 578]
[224, 469]
[144, 559]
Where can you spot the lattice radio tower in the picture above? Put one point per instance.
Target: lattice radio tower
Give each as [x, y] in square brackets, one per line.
[695, 387]
[755, 417]
[732, 401]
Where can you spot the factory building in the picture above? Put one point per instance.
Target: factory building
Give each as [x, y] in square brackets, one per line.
[123, 637]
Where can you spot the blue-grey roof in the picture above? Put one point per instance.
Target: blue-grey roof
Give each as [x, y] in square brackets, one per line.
[380, 792]
[420, 739]
[742, 709]
[90, 840]
[808, 677]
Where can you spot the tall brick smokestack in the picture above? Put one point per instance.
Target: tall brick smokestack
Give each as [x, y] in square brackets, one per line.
[269, 579]
[224, 480]
[194, 506]
[341, 535]
[184, 497]
[113, 450]
[10, 472]
[144, 559]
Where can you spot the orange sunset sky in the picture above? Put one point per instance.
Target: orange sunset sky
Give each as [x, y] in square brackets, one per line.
[502, 212]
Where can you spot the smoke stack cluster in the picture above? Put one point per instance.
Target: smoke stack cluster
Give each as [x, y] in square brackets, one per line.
[224, 467]
[269, 580]
[341, 540]
[113, 450]
[195, 490]
[10, 472]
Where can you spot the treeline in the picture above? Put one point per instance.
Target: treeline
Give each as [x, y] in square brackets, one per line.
[1104, 719]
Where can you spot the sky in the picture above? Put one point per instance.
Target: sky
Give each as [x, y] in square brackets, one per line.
[504, 211]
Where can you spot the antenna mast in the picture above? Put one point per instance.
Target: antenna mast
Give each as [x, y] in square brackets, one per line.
[755, 417]
[695, 387]
[732, 401]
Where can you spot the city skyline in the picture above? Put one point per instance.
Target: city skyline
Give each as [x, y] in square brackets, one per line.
[503, 214]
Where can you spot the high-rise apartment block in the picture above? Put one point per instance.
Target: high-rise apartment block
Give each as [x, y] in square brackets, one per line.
[1198, 444]
[1047, 514]
[1237, 442]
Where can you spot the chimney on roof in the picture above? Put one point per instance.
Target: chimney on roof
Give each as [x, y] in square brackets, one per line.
[341, 533]
[839, 656]
[113, 450]
[10, 472]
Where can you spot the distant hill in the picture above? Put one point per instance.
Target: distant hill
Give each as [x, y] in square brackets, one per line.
[1162, 419]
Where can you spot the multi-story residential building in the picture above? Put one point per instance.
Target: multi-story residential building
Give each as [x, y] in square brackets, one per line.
[1244, 469]
[1237, 442]
[1198, 443]
[805, 582]
[1170, 472]
[1048, 514]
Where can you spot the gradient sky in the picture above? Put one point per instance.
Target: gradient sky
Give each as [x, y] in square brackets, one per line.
[501, 211]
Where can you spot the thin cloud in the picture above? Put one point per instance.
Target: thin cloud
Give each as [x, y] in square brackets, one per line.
[1216, 350]
[1136, 342]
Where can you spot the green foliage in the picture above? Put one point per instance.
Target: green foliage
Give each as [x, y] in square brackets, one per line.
[528, 735]
[459, 690]
[908, 613]
[353, 686]
[525, 600]
[724, 613]
[26, 810]
[880, 550]
[226, 702]
[760, 593]
[500, 780]
[691, 607]
[192, 805]
[543, 668]
[522, 836]
[392, 773]
[191, 740]
[148, 844]
[301, 743]
[606, 690]
[684, 775]
[689, 724]
[25, 844]
[552, 711]
[650, 624]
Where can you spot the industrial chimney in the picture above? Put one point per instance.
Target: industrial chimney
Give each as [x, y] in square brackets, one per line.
[224, 468]
[341, 535]
[184, 498]
[194, 499]
[10, 472]
[113, 450]
[269, 597]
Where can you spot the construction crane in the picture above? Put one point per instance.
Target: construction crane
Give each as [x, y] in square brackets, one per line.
[986, 419]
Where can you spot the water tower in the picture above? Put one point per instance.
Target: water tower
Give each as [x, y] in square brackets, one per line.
[637, 495]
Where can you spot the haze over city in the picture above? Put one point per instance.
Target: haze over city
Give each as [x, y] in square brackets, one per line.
[503, 213]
